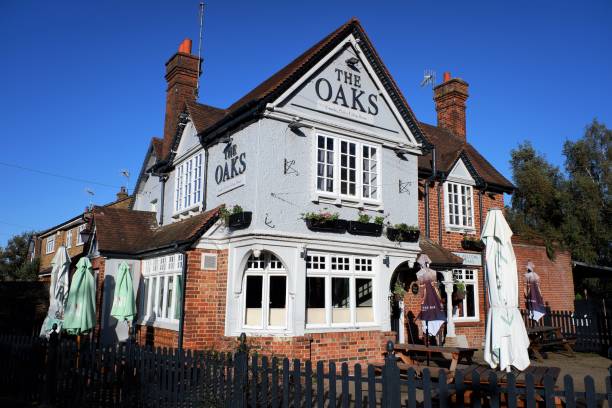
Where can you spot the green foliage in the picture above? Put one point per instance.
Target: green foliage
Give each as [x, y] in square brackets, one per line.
[363, 217]
[379, 220]
[573, 209]
[13, 259]
[405, 227]
[399, 290]
[320, 216]
[225, 212]
[460, 285]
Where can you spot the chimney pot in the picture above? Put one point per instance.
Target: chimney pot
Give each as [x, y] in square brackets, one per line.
[447, 76]
[122, 194]
[185, 46]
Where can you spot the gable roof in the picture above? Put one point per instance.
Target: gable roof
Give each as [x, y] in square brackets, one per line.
[450, 148]
[122, 231]
[211, 119]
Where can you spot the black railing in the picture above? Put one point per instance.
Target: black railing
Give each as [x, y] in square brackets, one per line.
[36, 371]
[589, 332]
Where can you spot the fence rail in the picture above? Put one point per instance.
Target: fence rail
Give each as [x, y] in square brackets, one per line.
[135, 376]
[590, 332]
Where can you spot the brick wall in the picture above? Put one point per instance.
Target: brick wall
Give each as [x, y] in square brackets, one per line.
[97, 265]
[556, 279]
[156, 336]
[60, 239]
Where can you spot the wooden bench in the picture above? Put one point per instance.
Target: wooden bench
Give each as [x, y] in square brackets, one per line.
[406, 353]
[541, 337]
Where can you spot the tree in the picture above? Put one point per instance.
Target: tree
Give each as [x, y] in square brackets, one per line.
[588, 224]
[536, 203]
[13, 259]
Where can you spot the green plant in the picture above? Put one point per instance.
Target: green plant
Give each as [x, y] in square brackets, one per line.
[460, 285]
[320, 216]
[398, 289]
[379, 220]
[225, 212]
[237, 209]
[405, 227]
[363, 217]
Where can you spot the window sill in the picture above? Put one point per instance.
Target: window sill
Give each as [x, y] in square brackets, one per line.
[465, 322]
[463, 230]
[169, 325]
[348, 202]
[341, 328]
[184, 213]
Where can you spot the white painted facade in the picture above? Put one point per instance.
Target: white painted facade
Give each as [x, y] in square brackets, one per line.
[276, 178]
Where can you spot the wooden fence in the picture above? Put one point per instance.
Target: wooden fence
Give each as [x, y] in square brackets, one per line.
[36, 371]
[590, 332]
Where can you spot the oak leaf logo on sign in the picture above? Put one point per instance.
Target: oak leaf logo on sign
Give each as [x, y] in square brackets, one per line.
[235, 164]
[347, 93]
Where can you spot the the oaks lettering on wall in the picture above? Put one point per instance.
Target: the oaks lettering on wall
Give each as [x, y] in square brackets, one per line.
[344, 94]
[235, 164]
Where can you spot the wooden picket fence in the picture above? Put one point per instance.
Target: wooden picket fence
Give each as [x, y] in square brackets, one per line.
[590, 332]
[60, 374]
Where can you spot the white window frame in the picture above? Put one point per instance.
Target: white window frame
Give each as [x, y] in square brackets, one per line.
[50, 244]
[449, 222]
[460, 274]
[328, 273]
[79, 238]
[69, 239]
[266, 272]
[188, 184]
[336, 194]
[160, 269]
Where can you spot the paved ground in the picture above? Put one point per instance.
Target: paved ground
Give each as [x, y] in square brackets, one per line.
[578, 367]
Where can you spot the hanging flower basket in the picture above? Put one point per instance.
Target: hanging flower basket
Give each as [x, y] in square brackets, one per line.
[403, 234]
[336, 226]
[472, 244]
[240, 220]
[365, 228]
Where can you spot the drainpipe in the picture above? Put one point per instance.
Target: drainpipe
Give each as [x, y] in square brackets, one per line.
[439, 189]
[184, 286]
[204, 201]
[483, 256]
[427, 182]
[163, 179]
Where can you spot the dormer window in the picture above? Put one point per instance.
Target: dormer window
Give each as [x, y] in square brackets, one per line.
[188, 184]
[459, 208]
[347, 170]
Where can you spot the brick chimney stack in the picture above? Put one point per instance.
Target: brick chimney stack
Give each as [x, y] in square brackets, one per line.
[450, 97]
[182, 72]
[122, 194]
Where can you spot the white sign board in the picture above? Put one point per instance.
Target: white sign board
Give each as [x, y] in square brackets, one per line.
[470, 258]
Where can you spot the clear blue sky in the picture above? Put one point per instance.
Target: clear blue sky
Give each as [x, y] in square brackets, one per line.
[82, 87]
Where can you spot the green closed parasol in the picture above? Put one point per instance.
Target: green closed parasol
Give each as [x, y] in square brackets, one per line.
[124, 303]
[80, 314]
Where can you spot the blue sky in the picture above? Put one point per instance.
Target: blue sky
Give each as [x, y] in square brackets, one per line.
[83, 88]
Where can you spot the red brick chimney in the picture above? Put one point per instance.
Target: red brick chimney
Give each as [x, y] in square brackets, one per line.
[450, 97]
[122, 194]
[182, 77]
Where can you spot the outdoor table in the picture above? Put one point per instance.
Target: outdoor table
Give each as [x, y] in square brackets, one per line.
[405, 353]
[546, 336]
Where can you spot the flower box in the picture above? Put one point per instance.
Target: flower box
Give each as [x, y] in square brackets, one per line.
[336, 226]
[365, 228]
[403, 235]
[240, 220]
[472, 245]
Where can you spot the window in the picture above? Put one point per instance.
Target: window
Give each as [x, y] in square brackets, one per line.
[467, 309]
[459, 205]
[50, 244]
[339, 290]
[347, 169]
[69, 238]
[188, 183]
[162, 288]
[79, 238]
[265, 293]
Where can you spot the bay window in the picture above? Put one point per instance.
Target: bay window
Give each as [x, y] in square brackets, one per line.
[459, 209]
[188, 183]
[162, 288]
[347, 169]
[467, 309]
[339, 290]
[265, 293]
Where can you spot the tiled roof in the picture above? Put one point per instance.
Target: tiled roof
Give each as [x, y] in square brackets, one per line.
[439, 255]
[158, 147]
[204, 115]
[136, 232]
[450, 147]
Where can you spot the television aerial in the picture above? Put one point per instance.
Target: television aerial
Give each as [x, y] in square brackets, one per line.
[429, 77]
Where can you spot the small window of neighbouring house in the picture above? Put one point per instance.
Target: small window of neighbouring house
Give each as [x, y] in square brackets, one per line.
[79, 238]
[50, 244]
[459, 209]
[69, 238]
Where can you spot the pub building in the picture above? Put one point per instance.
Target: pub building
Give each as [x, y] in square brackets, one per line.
[246, 219]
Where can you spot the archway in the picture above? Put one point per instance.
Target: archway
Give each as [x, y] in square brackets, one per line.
[402, 316]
